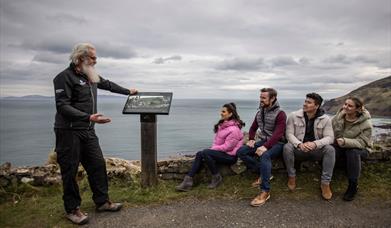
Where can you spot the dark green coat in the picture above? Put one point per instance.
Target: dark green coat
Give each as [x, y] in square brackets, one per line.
[358, 135]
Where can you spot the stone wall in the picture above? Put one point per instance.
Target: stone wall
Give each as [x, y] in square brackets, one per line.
[179, 167]
[49, 174]
[171, 169]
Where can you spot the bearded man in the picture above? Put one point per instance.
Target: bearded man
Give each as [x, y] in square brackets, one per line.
[76, 141]
[258, 155]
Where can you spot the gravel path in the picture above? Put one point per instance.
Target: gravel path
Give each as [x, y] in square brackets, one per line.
[238, 213]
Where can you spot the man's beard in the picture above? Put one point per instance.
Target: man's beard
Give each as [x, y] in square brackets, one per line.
[90, 71]
[264, 105]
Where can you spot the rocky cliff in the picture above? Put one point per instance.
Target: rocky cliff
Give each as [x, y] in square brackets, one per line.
[376, 96]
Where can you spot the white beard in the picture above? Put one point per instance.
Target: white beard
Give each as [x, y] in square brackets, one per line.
[90, 71]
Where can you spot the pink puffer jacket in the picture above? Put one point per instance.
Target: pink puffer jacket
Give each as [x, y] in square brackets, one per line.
[228, 138]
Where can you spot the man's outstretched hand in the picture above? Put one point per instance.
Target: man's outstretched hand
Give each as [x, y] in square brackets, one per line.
[99, 118]
[133, 91]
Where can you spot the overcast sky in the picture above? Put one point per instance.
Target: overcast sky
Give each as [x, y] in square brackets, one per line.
[200, 49]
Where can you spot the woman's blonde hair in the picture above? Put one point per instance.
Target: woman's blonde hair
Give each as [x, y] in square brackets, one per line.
[359, 103]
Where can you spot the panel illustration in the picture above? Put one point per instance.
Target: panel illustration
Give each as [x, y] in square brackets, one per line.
[148, 102]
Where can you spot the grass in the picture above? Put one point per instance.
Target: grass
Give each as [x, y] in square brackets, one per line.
[24, 205]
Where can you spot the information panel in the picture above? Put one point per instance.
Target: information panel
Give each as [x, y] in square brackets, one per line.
[148, 103]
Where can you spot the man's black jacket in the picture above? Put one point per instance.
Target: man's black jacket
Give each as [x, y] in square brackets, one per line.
[76, 98]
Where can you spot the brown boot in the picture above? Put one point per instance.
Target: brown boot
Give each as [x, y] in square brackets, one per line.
[260, 199]
[292, 183]
[326, 191]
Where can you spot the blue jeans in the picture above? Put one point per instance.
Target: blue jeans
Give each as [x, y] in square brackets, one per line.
[212, 158]
[263, 164]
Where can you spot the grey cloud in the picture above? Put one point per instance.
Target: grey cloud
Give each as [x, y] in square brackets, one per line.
[304, 60]
[11, 76]
[67, 18]
[242, 64]
[256, 64]
[33, 73]
[55, 46]
[282, 61]
[332, 77]
[338, 59]
[343, 59]
[321, 79]
[327, 66]
[384, 64]
[47, 57]
[104, 49]
[299, 87]
[364, 59]
[115, 51]
[163, 60]
[241, 78]
[45, 31]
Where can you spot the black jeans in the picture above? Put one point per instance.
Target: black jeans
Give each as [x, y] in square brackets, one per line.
[352, 158]
[72, 147]
[212, 158]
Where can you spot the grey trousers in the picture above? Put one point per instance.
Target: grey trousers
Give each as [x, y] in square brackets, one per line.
[326, 154]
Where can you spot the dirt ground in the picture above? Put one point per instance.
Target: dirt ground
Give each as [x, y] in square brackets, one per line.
[238, 213]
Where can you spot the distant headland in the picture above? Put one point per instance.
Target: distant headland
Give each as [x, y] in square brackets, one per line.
[376, 96]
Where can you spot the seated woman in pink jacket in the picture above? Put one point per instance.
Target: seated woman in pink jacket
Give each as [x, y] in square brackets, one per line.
[228, 139]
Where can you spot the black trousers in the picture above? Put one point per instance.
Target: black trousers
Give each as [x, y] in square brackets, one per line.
[212, 158]
[81, 146]
[351, 157]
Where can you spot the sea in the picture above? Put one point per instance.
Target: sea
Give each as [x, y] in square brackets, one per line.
[27, 136]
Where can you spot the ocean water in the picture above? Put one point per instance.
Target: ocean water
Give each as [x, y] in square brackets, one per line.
[26, 127]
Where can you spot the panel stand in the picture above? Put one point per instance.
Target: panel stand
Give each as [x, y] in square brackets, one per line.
[148, 150]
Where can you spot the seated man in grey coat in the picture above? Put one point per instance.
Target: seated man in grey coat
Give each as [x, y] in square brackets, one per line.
[310, 134]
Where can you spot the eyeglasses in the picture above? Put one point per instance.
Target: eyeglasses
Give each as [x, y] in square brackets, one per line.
[92, 57]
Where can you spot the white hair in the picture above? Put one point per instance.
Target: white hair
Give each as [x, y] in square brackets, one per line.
[79, 50]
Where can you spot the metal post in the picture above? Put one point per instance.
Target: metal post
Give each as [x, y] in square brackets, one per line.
[148, 150]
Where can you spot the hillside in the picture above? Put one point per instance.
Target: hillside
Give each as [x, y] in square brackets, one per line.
[376, 96]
